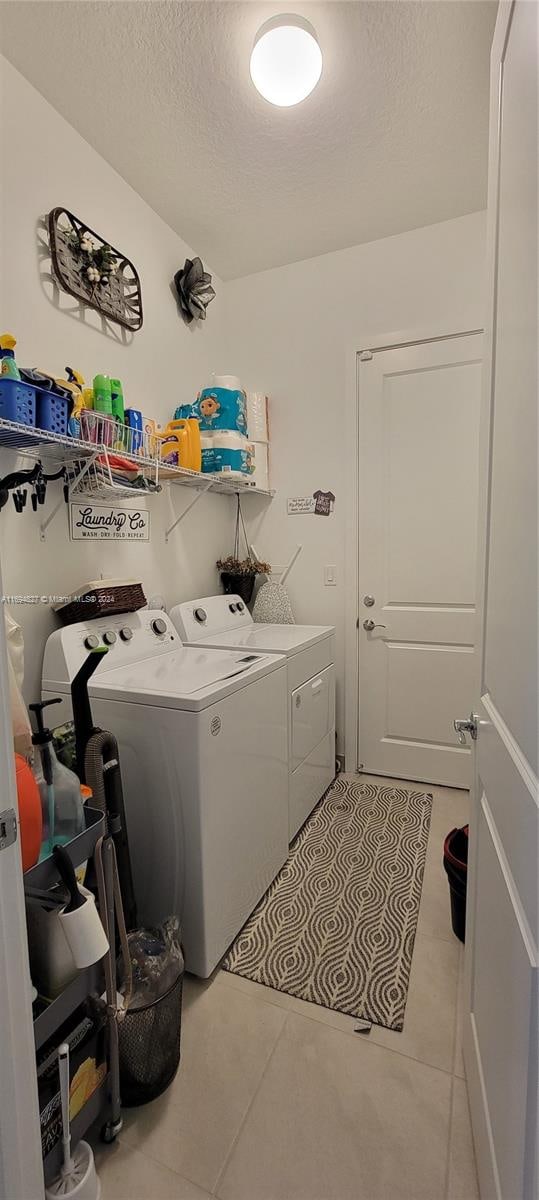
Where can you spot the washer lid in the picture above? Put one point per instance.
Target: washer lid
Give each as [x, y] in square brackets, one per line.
[190, 677]
[272, 639]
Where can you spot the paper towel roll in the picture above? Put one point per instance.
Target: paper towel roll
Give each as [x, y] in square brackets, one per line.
[257, 416]
[260, 475]
[226, 381]
[84, 932]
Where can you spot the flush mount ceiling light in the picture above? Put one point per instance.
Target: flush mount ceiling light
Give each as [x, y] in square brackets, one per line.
[286, 62]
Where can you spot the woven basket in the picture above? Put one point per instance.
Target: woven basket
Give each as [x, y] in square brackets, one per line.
[103, 602]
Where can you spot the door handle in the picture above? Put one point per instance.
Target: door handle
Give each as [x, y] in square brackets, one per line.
[462, 727]
[370, 625]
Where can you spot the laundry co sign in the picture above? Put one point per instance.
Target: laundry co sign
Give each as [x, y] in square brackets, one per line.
[104, 523]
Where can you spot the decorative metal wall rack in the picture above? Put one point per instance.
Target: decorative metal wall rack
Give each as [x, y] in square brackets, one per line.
[99, 276]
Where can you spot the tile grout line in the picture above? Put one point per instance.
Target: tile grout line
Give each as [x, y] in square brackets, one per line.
[452, 1090]
[235, 1140]
[365, 1041]
[159, 1162]
[449, 1139]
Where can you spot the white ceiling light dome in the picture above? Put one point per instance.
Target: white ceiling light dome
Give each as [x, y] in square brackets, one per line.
[286, 61]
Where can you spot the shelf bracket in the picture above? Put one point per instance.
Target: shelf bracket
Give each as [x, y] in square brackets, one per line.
[76, 480]
[200, 492]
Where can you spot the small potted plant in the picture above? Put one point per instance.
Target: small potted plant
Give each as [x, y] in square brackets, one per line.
[238, 574]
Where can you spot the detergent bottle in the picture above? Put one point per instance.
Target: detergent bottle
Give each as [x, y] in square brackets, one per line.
[7, 356]
[180, 444]
[75, 384]
[195, 447]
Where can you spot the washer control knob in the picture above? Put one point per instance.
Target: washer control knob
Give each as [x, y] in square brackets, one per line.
[109, 637]
[126, 633]
[91, 642]
[159, 626]
[232, 607]
[240, 606]
[200, 615]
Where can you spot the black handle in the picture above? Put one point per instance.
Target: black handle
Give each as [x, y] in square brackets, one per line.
[82, 713]
[67, 872]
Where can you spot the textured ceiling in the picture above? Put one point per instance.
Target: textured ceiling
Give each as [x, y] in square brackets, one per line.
[394, 136]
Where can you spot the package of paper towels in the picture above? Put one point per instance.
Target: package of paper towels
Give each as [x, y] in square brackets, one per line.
[226, 452]
[257, 417]
[222, 405]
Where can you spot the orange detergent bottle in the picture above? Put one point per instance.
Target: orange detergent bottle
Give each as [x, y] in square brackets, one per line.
[180, 444]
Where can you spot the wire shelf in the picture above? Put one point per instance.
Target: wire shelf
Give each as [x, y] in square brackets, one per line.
[117, 439]
[106, 441]
[213, 482]
[40, 444]
[101, 483]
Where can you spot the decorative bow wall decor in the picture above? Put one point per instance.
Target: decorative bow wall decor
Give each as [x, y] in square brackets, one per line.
[194, 290]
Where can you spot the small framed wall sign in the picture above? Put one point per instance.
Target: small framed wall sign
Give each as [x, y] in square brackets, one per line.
[320, 503]
[299, 505]
[105, 523]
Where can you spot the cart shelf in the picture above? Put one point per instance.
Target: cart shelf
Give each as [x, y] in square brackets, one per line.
[53, 1016]
[45, 874]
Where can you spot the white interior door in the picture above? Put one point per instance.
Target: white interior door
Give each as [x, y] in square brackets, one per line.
[501, 1021]
[419, 409]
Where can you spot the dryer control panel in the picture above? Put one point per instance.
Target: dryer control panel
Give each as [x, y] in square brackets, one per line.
[212, 615]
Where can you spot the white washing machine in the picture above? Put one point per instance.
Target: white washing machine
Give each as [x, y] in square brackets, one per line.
[202, 736]
[225, 622]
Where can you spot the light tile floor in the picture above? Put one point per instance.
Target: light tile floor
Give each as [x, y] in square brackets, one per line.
[277, 1099]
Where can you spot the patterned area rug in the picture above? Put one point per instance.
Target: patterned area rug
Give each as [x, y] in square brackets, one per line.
[337, 926]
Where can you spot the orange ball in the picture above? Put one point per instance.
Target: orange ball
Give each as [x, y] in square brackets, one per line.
[30, 815]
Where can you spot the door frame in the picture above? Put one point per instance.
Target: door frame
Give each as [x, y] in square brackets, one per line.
[21, 1168]
[352, 646]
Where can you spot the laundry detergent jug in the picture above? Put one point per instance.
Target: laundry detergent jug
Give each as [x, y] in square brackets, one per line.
[180, 444]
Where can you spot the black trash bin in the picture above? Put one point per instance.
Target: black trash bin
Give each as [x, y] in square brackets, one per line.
[150, 1047]
[150, 1032]
[456, 867]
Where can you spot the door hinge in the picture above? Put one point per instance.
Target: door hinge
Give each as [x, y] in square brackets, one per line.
[8, 828]
[365, 356]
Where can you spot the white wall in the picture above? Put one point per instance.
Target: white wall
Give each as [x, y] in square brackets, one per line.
[291, 331]
[288, 331]
[46, 163]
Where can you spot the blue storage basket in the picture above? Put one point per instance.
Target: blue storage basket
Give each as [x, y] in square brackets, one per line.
[51, 411]
[17, 401]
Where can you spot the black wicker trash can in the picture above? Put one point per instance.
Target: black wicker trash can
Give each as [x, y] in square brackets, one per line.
[150, 1047]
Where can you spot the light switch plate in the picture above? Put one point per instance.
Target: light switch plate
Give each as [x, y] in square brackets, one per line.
[330, 575]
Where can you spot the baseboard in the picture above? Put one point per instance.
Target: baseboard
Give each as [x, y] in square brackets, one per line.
[489, 1186]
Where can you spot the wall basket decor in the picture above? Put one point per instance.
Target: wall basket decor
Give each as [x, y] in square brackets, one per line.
[93, 271]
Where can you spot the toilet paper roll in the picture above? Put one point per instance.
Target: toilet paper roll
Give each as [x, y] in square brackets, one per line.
[84, 932]
[257, 416]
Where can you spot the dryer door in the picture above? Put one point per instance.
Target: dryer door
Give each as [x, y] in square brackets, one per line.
[313, 706]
